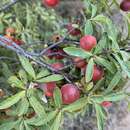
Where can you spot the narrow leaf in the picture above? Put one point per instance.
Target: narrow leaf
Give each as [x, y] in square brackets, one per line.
[38, 108]
[15, 82]
[81, 103]
[115, 80]
[57, 97]
[89, 70]
[88, 30]
[73, 51]
[57, 122]
[42, 73]
[105, 63]
[11, 100]
[27, 66]
[51, 78]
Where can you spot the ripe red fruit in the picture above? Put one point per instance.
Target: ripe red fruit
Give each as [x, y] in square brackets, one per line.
[51, 3]
[18, 42]
[79, 62]
[73, 31]
[49, 88]
[125, 5]
[57, 66]
[57, 56]
[10, 30]
[106, 104]
[70, 93]
[97, 73]
[88, 42]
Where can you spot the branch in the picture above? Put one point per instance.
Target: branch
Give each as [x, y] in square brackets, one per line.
[6, 6]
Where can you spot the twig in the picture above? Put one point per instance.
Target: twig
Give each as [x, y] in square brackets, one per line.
[5, 7]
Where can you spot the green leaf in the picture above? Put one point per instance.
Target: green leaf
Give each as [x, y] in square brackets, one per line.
[100, 116]
[98, 85]
[115, 80]
[57, 122]
[22, 107]
[37, 121]
[51, 78]
[88, 30]
[6, 71]
[38, 108]
[94, 10]
[27, 127]
[101, 18]
[105, 63]
[79, 104]
[27, 66]
[12, 100]
[113, 97]
[78, 52]
[89, 70]
[43, 73]
[7, 125]
[123, 65]
[23, 76]
[15, 82]
[89, 86]
[102, 44]
[57, 97]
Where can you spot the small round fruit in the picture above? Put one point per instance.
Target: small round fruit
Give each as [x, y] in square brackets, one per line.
[58, 56]
[106, 104]
[49, 94]
[57, 66]
[10, 30]
[50, 86]
[125, 5]
[97, 73]
[51, 3]
[73, 31]
[70, 93]
[18, 42]
[88, 42]
[79, 62]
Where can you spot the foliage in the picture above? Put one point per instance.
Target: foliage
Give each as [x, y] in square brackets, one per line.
[26, 68]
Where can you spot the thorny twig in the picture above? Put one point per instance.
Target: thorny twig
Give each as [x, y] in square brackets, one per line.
[17, 49]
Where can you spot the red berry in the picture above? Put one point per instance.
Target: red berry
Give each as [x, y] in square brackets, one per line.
[49, 94]
[59, 57]
[51, 3]
[49, 88]
[70, 93]
[79, 62]
[18, 42]
[88, 42]
[10, 30]
[106, 104]
[97, 73]
[125, 5]
[57, 66]
[73, 31]
[50, 55]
